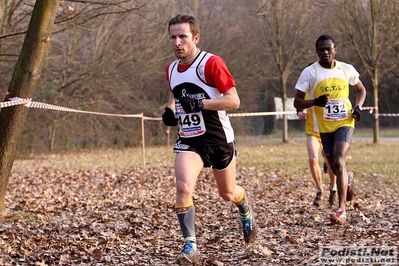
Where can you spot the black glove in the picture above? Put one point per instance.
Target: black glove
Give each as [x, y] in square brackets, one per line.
[191, 105]
[321, 101]
[357, 113]
[169, 118]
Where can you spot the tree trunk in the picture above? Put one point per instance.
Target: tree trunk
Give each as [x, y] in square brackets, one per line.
[23, 83]
[376, 125]
[285, 116]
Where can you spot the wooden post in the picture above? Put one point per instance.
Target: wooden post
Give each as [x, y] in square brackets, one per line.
[143, 138]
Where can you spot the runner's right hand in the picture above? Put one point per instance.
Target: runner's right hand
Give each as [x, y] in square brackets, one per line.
[321, 101]
[169, 117]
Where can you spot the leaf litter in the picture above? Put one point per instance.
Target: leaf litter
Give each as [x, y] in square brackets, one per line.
[100, 217]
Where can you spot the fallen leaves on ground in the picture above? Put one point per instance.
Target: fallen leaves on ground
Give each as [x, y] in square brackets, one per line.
[127, 218]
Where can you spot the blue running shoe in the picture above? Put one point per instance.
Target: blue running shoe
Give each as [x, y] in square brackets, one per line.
[189, 255]
[249, 227]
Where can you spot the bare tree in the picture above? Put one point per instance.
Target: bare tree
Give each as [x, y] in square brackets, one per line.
[285, 24]
[104, 64]
[371, 28]
[110, 56]
[23, 84]
[12, 15]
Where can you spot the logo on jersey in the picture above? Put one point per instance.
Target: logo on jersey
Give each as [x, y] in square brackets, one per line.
[200, 95]
[200, 70]
[333, 88]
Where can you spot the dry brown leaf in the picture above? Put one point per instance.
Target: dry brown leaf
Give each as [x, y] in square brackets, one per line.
[127, 218]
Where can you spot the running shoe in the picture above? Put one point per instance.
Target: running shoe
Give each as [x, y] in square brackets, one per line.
[189, 255]
[325, 167]
[339, 217]
[333, 196]
[249, 227]
[349, 193]
[317, 199]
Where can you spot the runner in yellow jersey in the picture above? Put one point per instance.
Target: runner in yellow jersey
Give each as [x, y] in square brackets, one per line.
[313, 145]
[327, 82]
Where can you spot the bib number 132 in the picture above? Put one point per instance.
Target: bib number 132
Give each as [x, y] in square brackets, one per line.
[336, 110]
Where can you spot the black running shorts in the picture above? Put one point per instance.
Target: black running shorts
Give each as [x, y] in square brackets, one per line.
[329, 139]
[214, 156]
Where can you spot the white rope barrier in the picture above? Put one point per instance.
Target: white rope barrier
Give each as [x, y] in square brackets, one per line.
[393, 115]
[40, 105]
[261, 113]
[13, 101]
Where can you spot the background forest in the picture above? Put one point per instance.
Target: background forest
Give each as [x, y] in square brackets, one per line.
[110, 56]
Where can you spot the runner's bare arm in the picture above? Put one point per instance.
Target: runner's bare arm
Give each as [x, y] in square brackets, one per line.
[228, 101]
[360, 94]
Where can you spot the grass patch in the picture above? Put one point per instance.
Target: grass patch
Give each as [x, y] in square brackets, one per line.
[12, 217]
[370, 161]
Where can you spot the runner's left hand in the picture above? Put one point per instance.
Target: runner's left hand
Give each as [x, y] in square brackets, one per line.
[191, 105]
[357, 113]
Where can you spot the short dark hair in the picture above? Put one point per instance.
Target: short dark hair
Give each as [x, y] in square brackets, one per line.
[325, 37]
[186, 18]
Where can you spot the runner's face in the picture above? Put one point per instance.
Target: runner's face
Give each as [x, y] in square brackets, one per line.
[182, 41]
[326, 51]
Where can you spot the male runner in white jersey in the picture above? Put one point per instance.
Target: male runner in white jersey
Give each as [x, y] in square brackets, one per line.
[327, 82]
[201, 89]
